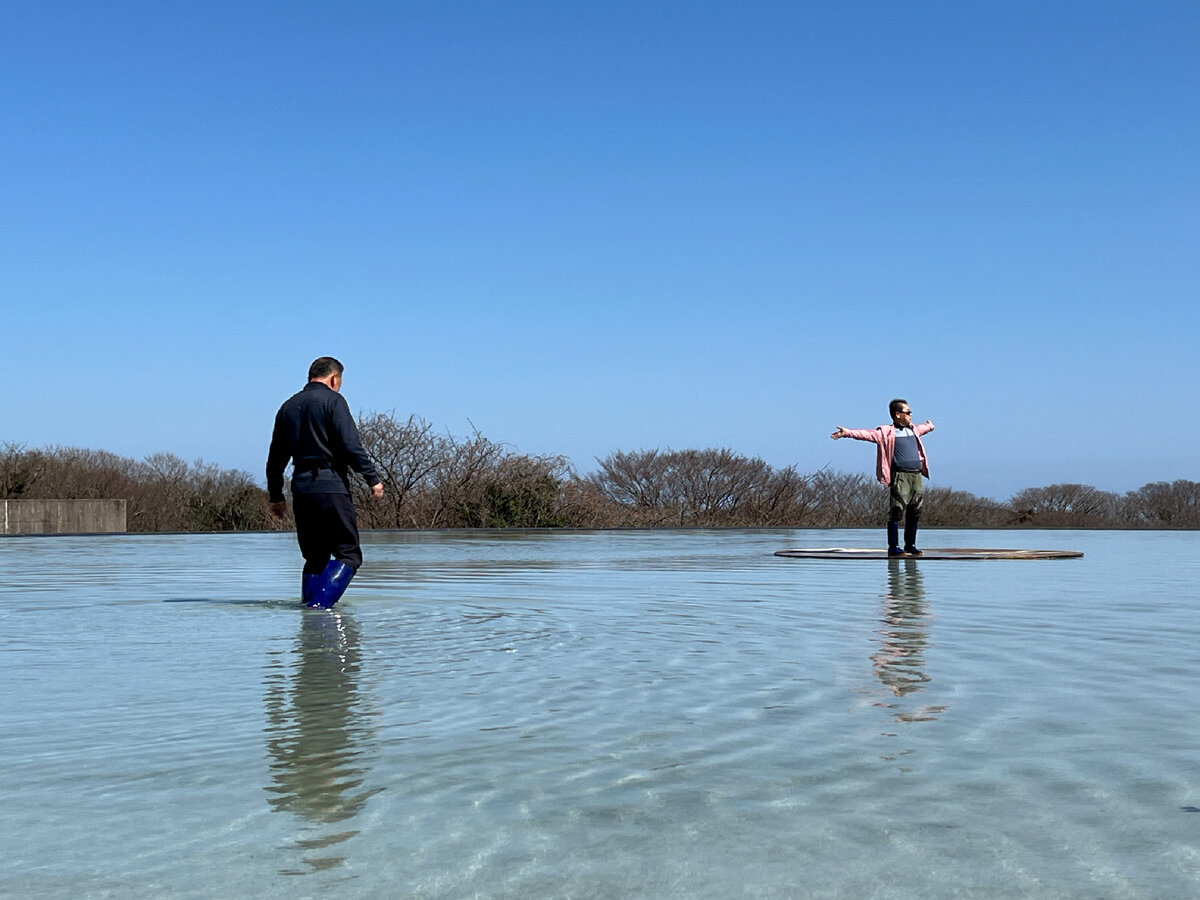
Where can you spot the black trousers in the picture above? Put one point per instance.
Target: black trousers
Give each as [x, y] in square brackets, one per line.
[326, 527]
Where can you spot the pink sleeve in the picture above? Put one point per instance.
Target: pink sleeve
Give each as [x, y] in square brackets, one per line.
[864, 434]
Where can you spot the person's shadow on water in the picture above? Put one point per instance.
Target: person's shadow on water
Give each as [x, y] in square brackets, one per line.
[899, 663]
[317, 735]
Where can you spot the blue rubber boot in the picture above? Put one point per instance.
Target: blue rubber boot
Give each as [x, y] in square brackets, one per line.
[330, 585]
[308, 584]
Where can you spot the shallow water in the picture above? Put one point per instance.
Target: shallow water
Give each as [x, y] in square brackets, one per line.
[601, 714]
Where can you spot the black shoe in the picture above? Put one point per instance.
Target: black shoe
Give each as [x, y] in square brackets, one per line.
[912, 551]
[895, 551]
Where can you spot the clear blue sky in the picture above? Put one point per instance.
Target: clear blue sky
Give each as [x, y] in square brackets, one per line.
[586, 227]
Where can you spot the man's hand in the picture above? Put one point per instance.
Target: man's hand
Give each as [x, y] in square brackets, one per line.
[377, 491]
[278, 510]
[840, 433]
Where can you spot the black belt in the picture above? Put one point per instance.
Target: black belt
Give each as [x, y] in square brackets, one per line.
[313, 466]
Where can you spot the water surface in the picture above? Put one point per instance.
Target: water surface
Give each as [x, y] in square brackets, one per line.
[601, 714]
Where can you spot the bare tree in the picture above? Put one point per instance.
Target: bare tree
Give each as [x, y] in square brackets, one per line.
[713, 487]
[636, 480]
[847, 500]
[710, 488]
[949, 508]
[20, 470]
[1163, 504]
[1056, 505]
[406, 455]
[787, 500]
[217, 499]
[457, 479]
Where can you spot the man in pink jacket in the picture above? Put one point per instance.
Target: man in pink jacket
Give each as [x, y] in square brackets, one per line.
[901, 464]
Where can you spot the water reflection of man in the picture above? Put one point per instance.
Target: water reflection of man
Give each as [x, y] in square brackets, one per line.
[900, 660]
[316, 732]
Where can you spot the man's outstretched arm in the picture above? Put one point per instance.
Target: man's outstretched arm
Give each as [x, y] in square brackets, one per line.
[859, 434]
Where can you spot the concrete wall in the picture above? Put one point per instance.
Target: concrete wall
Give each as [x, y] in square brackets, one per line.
[64, 516]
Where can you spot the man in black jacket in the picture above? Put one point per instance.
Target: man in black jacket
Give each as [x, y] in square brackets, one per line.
[315, 430]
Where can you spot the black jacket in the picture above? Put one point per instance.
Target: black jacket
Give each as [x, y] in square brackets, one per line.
[315, 430]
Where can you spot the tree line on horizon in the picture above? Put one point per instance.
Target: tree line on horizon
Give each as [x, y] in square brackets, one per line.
[437, 480]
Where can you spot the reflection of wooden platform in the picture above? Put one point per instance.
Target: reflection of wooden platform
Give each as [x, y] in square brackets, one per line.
[935, 553]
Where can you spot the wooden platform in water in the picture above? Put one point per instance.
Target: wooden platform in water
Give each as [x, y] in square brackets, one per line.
[935, 553]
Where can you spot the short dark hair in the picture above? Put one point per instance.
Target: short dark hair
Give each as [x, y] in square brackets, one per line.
[324, 367]
[894, 406]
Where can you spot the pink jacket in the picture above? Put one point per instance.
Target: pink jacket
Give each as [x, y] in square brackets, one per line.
[885, 437]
